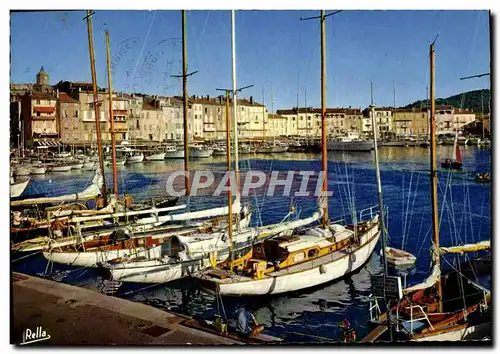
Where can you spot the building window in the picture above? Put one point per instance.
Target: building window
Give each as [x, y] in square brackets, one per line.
[147, 115]
[91, 105]
[206, 110]
[301, 118]
[37, 101]
[308, 117]
[38, 114]
[242, 109]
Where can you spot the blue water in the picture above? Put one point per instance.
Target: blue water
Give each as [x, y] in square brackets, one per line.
[311, 315]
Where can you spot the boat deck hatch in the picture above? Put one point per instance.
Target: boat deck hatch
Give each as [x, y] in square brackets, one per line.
[155, 331]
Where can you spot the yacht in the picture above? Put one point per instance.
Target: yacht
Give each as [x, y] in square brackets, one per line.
[349, 142]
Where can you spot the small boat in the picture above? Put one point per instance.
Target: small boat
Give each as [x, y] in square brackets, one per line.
[135, 158]
[246, 149]
[77, 166]
[198, 151]
[172, 152]
[219, 151]
[160, 156]
[60, 168]
[16, 189]
[398, 257]
[456, 162]
[350, 142]
[38, 170]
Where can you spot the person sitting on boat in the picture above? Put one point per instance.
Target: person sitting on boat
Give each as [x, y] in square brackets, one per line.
[243, 326]
[58, 227]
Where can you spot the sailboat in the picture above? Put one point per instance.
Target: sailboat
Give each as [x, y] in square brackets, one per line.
[92, 251]
[431, 310]
[456, 161]
[183, 256]
[315, 256]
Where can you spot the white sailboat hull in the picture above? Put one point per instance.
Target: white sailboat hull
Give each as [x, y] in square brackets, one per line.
[156, 157]
[467, 333]
[87, 259]
[340, 264]
[65, 168]
[179, 154]
[350, 145]
[16, 189]
[203, 153]
[76, 166]
[135, 158]
[38, 170]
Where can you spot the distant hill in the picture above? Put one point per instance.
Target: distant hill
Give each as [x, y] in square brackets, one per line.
[469, 99]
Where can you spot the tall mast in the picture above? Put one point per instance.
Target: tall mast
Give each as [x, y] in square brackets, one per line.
[323, 119]
[185, 103]
[229, 194]
[264, 135]
[111, 118]
[272, 112]
[96, 108]
[381, 207]
[435, 224]
[235, 105]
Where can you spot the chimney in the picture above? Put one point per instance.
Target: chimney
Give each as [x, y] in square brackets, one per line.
[208, 97]
[251, 99]
[57, 93]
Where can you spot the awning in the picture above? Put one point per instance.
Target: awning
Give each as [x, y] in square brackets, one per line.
[44, 109]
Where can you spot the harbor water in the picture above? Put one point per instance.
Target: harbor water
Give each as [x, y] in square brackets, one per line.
[311, 315]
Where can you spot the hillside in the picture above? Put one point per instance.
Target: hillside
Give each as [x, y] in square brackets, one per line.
[469, 99]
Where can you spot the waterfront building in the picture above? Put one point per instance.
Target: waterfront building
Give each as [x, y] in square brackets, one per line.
[70, 124]
[306, 121]
[277, 125]
[40, 120]
[410, 121]
[135, 103]
[151, 123]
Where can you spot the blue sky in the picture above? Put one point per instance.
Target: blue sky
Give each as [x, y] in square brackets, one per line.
[275, 52]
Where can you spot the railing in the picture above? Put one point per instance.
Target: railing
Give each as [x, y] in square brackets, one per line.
[374, 315]
[411, 320]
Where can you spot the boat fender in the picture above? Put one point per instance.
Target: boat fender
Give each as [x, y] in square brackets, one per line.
[322, 269]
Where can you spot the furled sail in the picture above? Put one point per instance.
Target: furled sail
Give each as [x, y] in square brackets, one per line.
[274, 230]
[483, 245]
[92, 191]
[200, 214]
[427, 283]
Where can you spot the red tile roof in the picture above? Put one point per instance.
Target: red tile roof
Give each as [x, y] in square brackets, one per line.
[65, 98]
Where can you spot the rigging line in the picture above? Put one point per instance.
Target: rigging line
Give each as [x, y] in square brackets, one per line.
[199, 51]
[407, 210]
[143, 46]
[413, 206]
